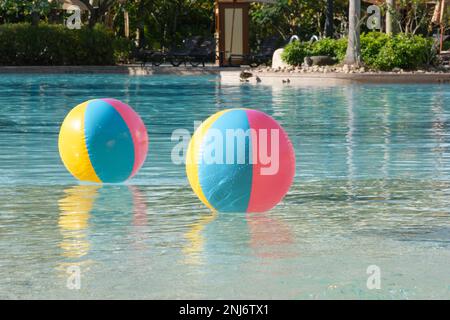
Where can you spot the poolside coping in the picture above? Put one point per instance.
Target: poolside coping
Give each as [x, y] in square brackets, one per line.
[232, 75]
[332, 78]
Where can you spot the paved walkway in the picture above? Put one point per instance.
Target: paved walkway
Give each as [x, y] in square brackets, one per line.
[327, 79]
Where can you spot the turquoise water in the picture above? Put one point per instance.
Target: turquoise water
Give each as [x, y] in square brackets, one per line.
[372, 188]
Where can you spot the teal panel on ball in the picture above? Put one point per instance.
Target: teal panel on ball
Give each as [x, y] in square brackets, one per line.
[225, 172]
[109, 142]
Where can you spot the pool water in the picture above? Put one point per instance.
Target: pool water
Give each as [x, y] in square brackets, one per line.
[372, 188]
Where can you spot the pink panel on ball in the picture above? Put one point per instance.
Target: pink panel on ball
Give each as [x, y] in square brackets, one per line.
[269, 188]
[137, 129]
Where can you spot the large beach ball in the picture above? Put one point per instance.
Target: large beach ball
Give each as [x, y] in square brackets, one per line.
[240, 160]
[103, 140]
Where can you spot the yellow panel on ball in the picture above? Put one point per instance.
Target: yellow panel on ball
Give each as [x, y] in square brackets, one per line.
[192, 156]
[72, 145]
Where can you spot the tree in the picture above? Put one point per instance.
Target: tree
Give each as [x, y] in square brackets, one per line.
[353, 54]
[329, 20]
[95, 13]
[141, 23]
[413, 16]
[25, 10]
[304, 18]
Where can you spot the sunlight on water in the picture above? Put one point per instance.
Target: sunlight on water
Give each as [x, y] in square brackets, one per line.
[372, 188]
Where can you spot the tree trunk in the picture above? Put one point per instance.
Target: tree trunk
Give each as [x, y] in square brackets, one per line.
[93, 17]
[329, 23]
[390, 9]
[93, 14]
[126, 21]
[141, 24]
[353, 54]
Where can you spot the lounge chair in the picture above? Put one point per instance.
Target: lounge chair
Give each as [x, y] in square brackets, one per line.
[263, 56]
[140, 55]
[145, 55]
[180, 55]
[157, 58]
[204, 53]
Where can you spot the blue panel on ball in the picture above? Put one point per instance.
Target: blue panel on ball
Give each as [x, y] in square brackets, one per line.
[109, 142]
[226, 184]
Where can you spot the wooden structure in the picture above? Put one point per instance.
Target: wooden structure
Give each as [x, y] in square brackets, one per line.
[232, 28]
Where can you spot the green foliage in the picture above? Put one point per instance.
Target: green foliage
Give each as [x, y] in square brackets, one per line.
[378, 50]
[330, 47]
[163, 24]
[371, 44]
[295, 52]
[20, 10]
[122, 49]
[446, 45]
[413, 16]
[167, 23]
[23, 44]
[385, 52]
[285, 18]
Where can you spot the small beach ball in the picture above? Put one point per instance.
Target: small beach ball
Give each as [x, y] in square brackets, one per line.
[240, 160]
[103, 140]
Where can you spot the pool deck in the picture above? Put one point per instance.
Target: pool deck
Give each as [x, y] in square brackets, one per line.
[332, 78]
[232, 75]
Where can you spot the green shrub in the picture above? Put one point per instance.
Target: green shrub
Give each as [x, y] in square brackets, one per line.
[23, 44]
[402, 51]
[371, 44]
[295, 52]
[122, 49]
[329, 47]
[378, 50]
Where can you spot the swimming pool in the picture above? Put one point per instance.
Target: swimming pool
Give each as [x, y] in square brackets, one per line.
[372, 188]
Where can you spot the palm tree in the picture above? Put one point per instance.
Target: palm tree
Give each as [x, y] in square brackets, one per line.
[141, 23]
[329, 26]
[353, 54]
[390, 6]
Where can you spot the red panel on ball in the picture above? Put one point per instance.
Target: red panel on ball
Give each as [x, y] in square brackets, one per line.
[137, 129]
[271, 179]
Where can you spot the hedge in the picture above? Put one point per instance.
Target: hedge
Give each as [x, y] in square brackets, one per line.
[295, 52]
[23, 44]
[378, 51]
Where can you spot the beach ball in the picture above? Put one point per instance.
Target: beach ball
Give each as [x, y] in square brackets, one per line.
[240, 160]
[103, 140]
